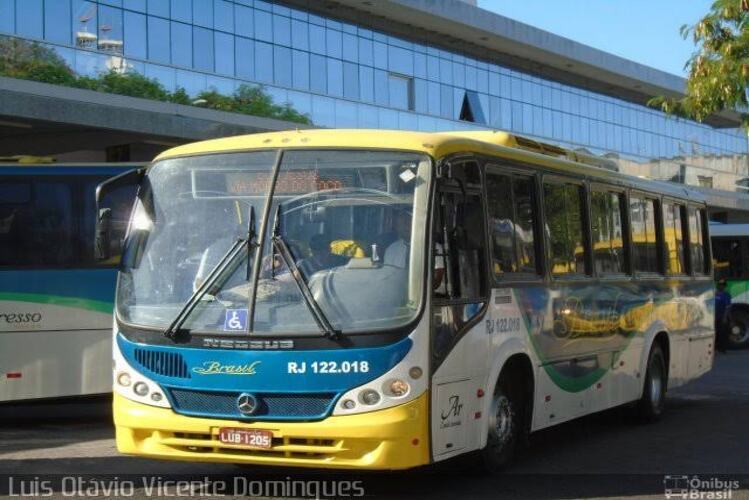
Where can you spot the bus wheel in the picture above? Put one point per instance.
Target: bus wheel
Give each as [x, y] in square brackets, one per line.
[650, 406]
[738, 329]
[505, 427]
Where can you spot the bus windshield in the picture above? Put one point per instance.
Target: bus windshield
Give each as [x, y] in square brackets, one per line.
[352, 223]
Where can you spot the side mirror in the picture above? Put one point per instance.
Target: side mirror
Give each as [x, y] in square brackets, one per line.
[103, 240]
[130, 178]
[109, 224]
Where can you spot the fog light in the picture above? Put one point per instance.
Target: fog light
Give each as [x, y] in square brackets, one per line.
[370, 397]
[348, 404]
[415, 372]
[398, 388]
[141, 389]
[123, 379]
[156, 396]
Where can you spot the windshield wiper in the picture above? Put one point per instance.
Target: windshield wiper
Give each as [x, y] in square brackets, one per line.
[249, 242]
[280, 246]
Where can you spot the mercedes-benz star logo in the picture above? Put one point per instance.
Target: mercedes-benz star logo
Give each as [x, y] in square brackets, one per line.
[246, 404]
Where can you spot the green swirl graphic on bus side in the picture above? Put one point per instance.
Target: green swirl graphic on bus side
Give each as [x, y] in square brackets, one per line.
[599, 323]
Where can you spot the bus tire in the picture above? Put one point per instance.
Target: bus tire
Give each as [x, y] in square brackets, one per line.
[738, 329]
[506, 426]
[651, 404]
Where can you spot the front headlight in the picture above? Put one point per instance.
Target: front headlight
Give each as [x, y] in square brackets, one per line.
[123, 378]
[370, 397]
[141, 389]
[397, 388]
[135, 386]
[348, 404]
[404, 382]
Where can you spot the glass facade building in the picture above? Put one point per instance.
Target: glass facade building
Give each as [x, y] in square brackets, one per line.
[344, 75]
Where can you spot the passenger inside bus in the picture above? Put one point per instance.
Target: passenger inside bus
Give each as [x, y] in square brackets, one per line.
[728, 256]
[321, 257]
[222, 238]
[397, 252]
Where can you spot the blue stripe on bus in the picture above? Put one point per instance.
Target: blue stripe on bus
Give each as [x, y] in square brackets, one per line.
[90, 284]
[269, 371]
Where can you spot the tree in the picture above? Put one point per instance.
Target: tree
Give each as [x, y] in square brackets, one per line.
[252, 100]
[719, 68]
[130, 83]
[32, 61]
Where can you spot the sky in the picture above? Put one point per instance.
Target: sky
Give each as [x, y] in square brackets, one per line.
[645, 31]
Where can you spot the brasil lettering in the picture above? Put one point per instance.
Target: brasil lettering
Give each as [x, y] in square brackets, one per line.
[216, 368]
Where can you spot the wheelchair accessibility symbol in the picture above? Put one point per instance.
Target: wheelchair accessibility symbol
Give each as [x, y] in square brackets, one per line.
[235, 320]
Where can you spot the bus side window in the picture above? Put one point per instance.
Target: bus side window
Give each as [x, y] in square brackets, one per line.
[644, 235]
[674, 239]
[607, 223]
[512, 222]
[37, 222]
[15, 200]
[696, 241]
[563, 208]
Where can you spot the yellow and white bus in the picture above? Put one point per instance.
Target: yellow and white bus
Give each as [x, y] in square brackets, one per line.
[371, 299]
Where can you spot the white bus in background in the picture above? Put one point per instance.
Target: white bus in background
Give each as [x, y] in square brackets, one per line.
[55, 297]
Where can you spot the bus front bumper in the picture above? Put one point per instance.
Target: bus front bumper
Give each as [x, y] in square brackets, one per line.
[394, 438]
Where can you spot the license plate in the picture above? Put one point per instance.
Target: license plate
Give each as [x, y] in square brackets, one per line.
[251, 438]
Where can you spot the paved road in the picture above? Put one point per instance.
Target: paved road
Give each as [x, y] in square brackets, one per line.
[704, 432]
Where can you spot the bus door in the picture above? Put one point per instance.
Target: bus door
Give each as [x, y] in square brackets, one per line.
[459, 290]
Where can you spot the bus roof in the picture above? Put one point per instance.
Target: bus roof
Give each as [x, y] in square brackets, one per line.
[87, 164]
[439, 144]
[82, 168]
